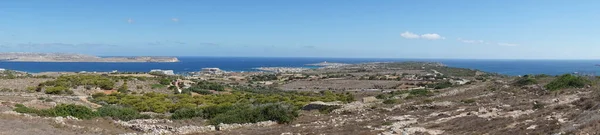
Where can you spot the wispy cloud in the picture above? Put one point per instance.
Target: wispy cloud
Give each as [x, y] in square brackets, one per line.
[507, 44]
[427, 36]
[130, 20]
[175, 19]
[433, 36]
[410, 35]
[472, 41]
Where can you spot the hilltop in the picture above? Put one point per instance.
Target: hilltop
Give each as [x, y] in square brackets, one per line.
[66, 57]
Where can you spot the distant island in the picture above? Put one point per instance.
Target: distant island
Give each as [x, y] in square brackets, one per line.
[65, 57]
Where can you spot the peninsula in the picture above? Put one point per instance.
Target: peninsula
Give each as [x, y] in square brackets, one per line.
[65, 57]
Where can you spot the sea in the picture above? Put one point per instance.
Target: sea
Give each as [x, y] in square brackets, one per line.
[192, 64]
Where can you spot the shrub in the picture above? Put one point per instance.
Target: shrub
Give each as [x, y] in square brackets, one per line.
[420, 92]
[281, 113]
[123, 88]
[441, 85]
[205, 85]
[391, 101]
[156, 86]
[81, 80]
[57, 90]
[20, 108]
[525, 81]
[77, 111]
[328, 109]
[31, 89]
[468, 101]
[187, 113]
[567, 81]
[120, 113]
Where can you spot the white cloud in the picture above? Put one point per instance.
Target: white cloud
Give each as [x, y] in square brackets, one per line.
[428, 36]
[175, 19]
[129, 20]
[507, 44]
[409, 35]
[472, 41]
[433, 36]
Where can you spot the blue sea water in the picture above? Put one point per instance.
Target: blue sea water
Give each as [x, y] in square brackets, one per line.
[190, 64]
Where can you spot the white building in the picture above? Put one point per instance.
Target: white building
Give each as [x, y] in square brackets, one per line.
[2, 69]
[166, 72]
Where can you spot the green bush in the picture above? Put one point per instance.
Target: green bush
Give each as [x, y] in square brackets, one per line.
[83, 112]
[440, 85]
[187, 113]
[63, 110]
[420, 92]
[77, 111]
[391, 101]
[72, 81]
[58, 90]
[468, 101]
[123, 88]
[156, 86]
[328, 109]
[525, 81]
[120, 113]
[205, 85]
[281, 113]
[20, 108]
[567, 81]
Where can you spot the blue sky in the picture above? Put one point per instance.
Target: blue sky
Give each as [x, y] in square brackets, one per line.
[472, 29]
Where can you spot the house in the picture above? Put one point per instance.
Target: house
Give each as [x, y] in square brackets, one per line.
[2, 69]
[165, 72]
[460, 81]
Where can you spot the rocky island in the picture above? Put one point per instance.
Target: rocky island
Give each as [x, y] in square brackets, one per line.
[64, 57]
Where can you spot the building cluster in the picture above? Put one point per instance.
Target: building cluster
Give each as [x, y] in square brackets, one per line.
[160, 71]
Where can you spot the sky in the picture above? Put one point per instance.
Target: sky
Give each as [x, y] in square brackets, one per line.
[459, 29]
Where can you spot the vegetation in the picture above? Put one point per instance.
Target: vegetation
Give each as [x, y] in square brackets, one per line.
[264, 77]
[156, 86]
[120, 113]
[58, 90]
[63, 110]
[525, 80]
[411, 94]
[391, 101]
[468, 101]
[567, 81]
[420, 92]
[82, 112]
[328, 109]
[160, 103]
[72, 81]
[440, 85]
[240, 113]
[123, 88]
[279, 112]
[205, 85]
